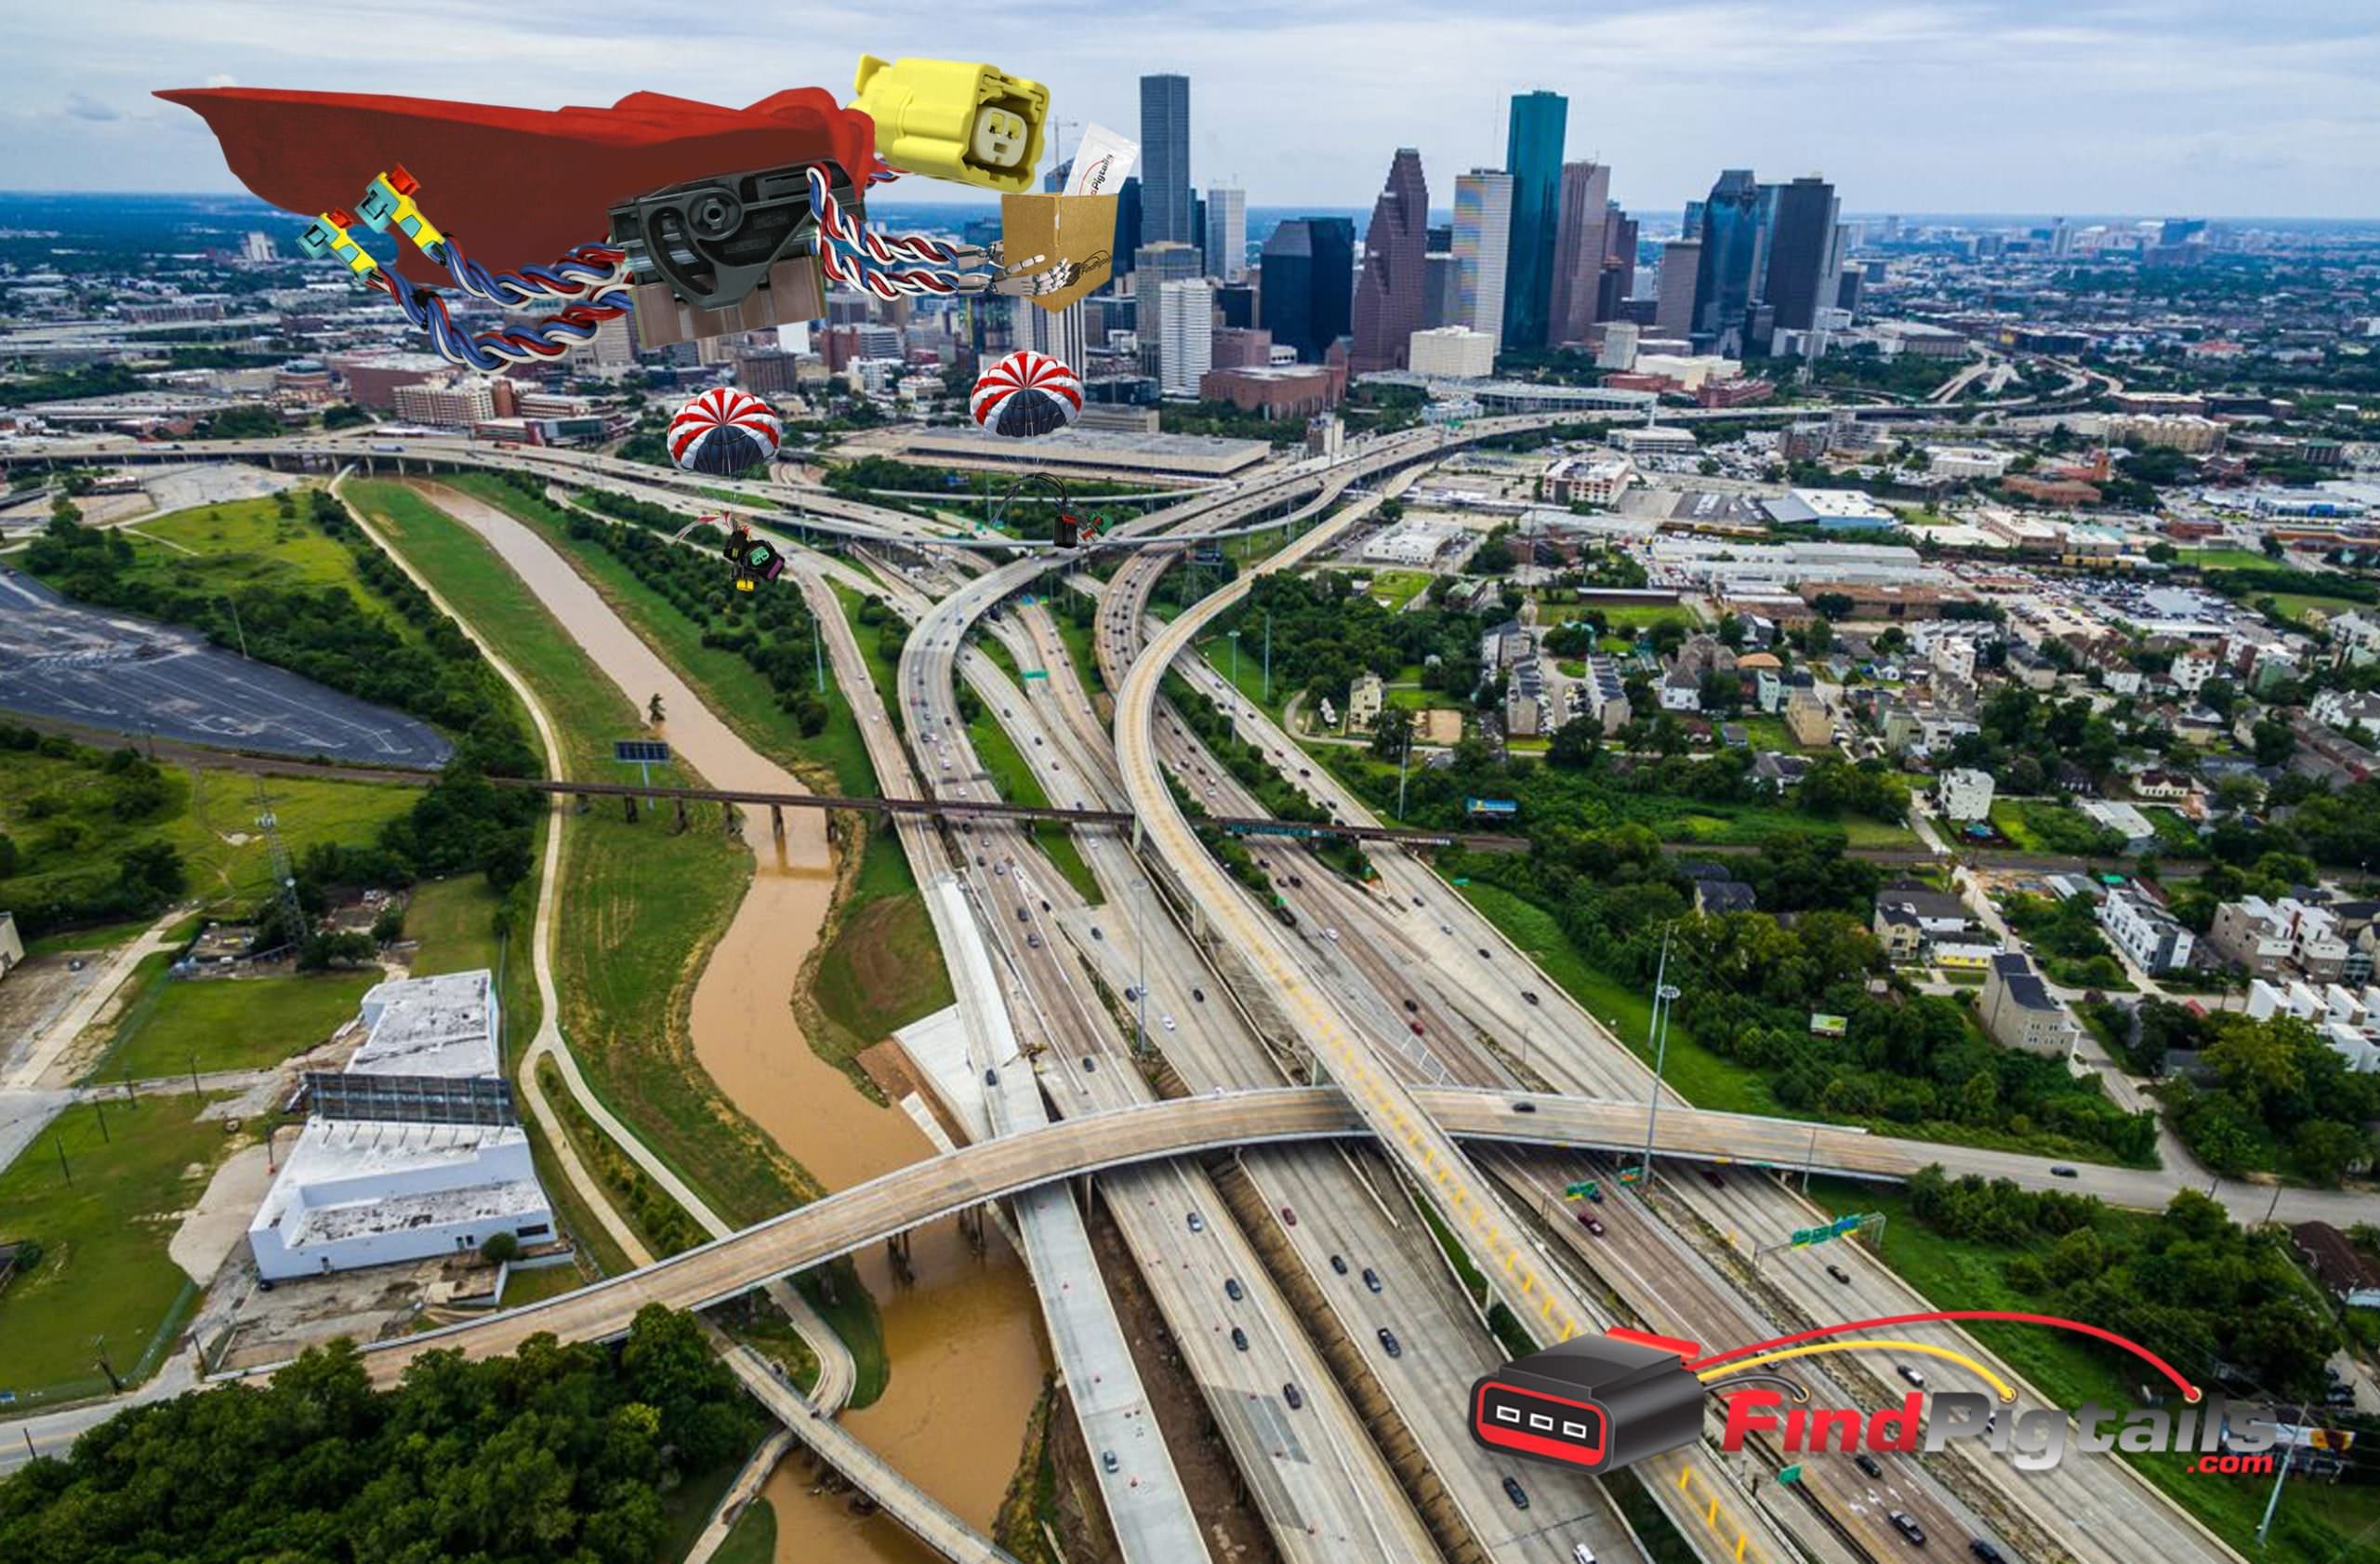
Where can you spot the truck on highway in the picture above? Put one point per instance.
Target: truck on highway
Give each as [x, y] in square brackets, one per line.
[388, 446]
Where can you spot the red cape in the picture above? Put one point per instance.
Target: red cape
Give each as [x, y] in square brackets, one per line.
[515, 187]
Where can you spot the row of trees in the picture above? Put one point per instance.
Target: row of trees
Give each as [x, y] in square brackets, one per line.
[2220, 1303]
[560, 1453]
[770, 628]
[1751, 982]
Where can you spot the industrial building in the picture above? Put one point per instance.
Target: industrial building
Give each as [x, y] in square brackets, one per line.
[414, 1151]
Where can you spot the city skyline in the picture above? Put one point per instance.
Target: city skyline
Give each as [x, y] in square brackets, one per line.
[2102, 108]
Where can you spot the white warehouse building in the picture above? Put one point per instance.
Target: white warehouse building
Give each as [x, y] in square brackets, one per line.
[413, 1151]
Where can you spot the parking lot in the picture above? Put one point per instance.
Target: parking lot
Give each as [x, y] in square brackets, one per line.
[134, 677]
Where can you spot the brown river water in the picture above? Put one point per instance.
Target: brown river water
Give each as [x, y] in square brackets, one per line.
[963, 1335]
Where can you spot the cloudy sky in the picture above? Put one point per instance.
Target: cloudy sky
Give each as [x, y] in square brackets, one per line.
[2206, 107]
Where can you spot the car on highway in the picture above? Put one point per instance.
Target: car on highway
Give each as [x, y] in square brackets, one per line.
[1906, 1524]
[1371, 1278]
[1909, 1374]
[1581, 1553]
[1523, 1108]
[1239, 1338]
[1197, 1223]
[1338, 1263]
[1588, 1220]
[1089, 1064]
[1167, 1021]
[1530, 995]
[1232, 1289]
[1517, 1493]
[1417, 901]
[2062, 1170]
[991, 1078]
[1483, 954]
[1446, 929]
[1291, 1394]
[1107, 1462]
[1198, 994]
[1869, 1464]
[1095, 934]
[1417, 1028]
[1839, 1274]
[1130, 995]
[1045, 903]
[1033, 942]
[1024, 915]
[1986, 1552]
[1389, 1343]
[1289, 1215]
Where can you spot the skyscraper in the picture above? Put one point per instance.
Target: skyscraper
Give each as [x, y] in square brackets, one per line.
[1801, 248]
[1128, 227]
[1227, 233]
[1681, 260]
[1619, 262]
[1309, 266]
[1063, 334]
[1187, 336]
[1579, 246]
[1388, 297]
[1731, 246]
[1533, 154]
[1483, 223]
[1165, 160]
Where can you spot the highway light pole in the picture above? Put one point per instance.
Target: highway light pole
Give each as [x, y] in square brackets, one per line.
[1140, 954]
[1268, 657]
[236, 625]
[1664, 992]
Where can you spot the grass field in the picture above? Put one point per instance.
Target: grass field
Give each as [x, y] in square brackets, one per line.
[884, 968]
[644, 907]
[2045, 826]
[2228, 559]
[1704, 1078]
[208, 817]
[2313, 1523]
[179, 1025]
[1395, 588]
[243, 543]
[728, 685]
[1016, 783]
[753, 1538]
[453, 922]
[104, 1271]
[2294, 605]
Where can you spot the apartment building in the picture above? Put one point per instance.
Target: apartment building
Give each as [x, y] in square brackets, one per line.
[2144, 930]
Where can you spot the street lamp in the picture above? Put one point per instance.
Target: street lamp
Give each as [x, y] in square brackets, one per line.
[1664, 993]
[236, 626]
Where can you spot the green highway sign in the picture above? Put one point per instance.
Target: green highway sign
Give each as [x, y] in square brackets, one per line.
[1585, 1191]
[1037, 673]
[1804, 1237]
[1790, 1474]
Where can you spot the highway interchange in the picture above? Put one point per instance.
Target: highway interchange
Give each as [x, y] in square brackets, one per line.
[1427, 1026]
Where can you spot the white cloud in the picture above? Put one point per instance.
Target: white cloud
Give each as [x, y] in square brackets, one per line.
[2027, 105]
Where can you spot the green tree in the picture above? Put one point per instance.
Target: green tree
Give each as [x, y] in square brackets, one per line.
[2327, 1150]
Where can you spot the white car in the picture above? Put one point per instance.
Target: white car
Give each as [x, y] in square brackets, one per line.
[1331, 935]
[1167, 1021]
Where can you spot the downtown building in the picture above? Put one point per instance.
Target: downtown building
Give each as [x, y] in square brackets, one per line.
[1308, 281]
[1533, 156]
[1166, 206]
[1578, 250]
[1226, 241]
[1481, 242]
[1388, 302]
[1187, 336]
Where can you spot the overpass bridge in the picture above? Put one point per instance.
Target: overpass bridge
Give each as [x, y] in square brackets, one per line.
[986, 809]
[940, 1187]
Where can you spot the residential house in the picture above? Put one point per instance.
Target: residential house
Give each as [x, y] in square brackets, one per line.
[2267, 938]
[2123, 820]
[2347, 1022]
[1714, 896]
[1364, 698]
[1681, 690]
[2019, 1011]
[1964, 793]
[1806, 720]
[1911, 917]
[1776, 771]
[1607, 693]
[2344, 1271]
[2144, 930]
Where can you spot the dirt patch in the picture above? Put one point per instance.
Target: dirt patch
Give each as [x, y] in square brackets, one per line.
[1236, 1534]
[211, 1231]
[886, 1065]
[37, 991]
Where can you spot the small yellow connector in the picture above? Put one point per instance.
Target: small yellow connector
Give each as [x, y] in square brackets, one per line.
[951, 119]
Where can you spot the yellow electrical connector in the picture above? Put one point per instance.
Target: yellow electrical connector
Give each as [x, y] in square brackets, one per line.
[951, 119]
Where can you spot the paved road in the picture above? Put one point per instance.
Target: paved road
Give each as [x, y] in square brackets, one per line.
[112, 670]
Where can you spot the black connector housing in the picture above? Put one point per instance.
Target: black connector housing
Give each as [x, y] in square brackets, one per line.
[1596, 1403]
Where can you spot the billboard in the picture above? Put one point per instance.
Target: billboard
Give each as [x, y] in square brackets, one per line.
[1497, 807]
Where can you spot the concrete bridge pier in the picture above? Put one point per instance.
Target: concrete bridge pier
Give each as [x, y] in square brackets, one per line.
[776, 821]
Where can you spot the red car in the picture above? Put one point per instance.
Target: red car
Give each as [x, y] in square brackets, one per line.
[1289, 1217]
[1587, 1220]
